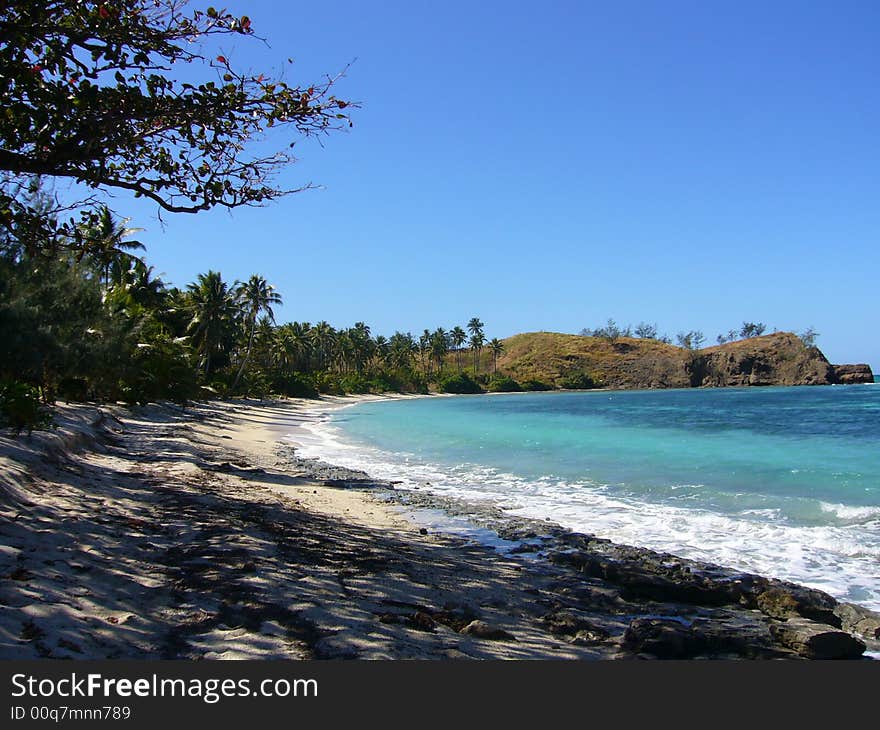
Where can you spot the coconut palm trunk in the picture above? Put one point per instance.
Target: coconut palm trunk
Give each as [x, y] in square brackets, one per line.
[257, 295]
[247, 353]
[497, 347]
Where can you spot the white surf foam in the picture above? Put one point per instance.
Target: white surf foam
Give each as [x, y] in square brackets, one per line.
[850, 512]
[842, 559]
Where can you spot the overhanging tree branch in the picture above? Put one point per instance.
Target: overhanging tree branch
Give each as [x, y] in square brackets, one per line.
[88, 95]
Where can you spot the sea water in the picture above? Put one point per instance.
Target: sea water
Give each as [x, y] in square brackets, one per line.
[779, 481]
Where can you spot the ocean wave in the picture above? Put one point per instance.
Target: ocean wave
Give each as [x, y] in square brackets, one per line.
[839, 557]
[850, 513]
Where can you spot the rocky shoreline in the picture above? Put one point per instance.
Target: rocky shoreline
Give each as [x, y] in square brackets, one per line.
[157, 533]
[651, 603]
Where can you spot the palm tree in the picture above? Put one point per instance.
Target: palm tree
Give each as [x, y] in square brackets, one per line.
[134, 288]
[213, 313]
[345, 351]
[382, 350]
[363, 346]
[497, 347]
[146, 290]
[424, 349]
[458, 337]
[298, 337]
[105, 243]
[281, 351]
[264, 339]
[475, 327]
[254, 297]
[403, 347]
[323, 338]
[293, 345]
[439, 347]
[477, 342]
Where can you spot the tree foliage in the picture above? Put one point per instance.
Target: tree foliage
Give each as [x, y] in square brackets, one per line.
[97, 324]
[504, 384]
[578, 380]
[106, 242]
[214, 314]
[646, 331]
[748, 330]
[610, 331]
[21, 408]
[809, 337]
[752, 329]
[477, 340]
[254, 296]
[92, 92]
[496, 347]
[460, 383]
[692, 340]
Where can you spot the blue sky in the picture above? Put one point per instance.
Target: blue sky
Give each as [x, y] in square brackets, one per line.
[548, 166]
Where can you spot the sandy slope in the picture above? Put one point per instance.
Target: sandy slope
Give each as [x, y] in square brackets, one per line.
[169, 534]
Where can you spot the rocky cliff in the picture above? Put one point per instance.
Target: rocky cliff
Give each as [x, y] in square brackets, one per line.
[777, 359]
[850, 374]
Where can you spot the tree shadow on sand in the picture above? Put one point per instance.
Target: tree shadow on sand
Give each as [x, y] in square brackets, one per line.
[146, 546]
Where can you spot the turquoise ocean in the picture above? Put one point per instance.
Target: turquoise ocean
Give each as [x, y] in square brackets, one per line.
[779, 481]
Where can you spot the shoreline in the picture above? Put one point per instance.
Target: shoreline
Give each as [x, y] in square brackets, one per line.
[815, 541]
[494, 526]
[156, 533]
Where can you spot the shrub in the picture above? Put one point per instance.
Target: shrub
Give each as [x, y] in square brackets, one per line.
[354, 383]
[296, 385]
[459, 383]
[257, 384]
[504, 384]
[533, 384]
[577, 381]
[73, 389]
[21, 408]
[808, 337]
[383, 382]
[216, 388]
[161, 370]
[328, 383]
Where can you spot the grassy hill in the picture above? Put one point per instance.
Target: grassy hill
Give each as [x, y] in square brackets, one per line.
[558, 359]
[561, 360]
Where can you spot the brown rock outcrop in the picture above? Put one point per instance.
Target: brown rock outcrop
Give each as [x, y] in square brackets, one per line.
[852, 374]
[777, 359]
[816, 641]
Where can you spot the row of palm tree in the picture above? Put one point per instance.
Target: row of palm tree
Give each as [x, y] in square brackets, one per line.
[303, 347]
[214, 305]
[215, 332]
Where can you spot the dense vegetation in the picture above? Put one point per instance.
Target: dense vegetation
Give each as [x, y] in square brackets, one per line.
[93, 322]
[92, 94]
[137, 96]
